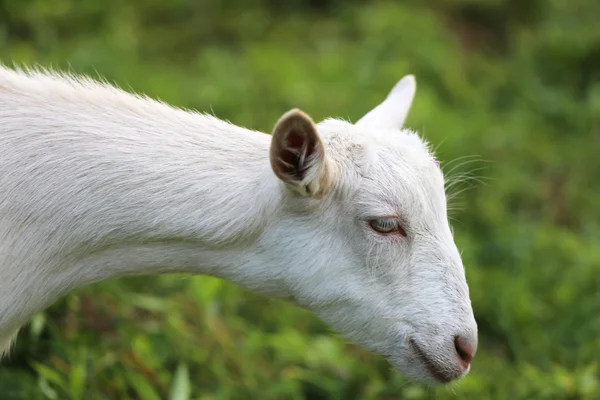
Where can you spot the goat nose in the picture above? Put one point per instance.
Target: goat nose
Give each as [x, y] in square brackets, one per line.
[465, 348]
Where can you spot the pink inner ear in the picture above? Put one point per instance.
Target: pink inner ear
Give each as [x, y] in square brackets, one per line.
[436, 163]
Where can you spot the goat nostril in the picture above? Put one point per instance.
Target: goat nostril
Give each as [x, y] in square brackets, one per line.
[464, 348]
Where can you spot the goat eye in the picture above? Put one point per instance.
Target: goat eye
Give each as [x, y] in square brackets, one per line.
[387, 226]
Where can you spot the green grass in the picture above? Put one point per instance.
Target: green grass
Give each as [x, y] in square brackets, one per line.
[514, 84]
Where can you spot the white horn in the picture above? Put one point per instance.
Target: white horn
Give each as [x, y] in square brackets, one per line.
[392, 112]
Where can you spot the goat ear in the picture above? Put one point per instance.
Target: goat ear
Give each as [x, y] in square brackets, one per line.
[298, 156]
[392, 112]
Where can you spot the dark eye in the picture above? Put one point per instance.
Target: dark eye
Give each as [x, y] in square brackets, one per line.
[387, 226]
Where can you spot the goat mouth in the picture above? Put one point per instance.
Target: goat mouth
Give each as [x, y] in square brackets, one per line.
[432, 367]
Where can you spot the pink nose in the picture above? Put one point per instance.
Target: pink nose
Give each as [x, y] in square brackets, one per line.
[465, 350]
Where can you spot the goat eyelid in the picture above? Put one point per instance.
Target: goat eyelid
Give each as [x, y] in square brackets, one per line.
[389, 225]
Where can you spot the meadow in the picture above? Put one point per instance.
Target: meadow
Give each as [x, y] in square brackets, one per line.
[507, 91]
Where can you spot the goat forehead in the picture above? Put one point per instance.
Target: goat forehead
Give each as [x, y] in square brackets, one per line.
[396, 162]
[406, 183]
[402, 166]
[396, 147]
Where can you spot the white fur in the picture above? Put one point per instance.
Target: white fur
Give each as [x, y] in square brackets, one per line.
[96, 183]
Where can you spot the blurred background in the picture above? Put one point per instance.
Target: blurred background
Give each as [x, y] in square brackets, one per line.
[508, 92]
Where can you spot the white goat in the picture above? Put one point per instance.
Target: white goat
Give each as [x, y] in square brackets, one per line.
[347, 220]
